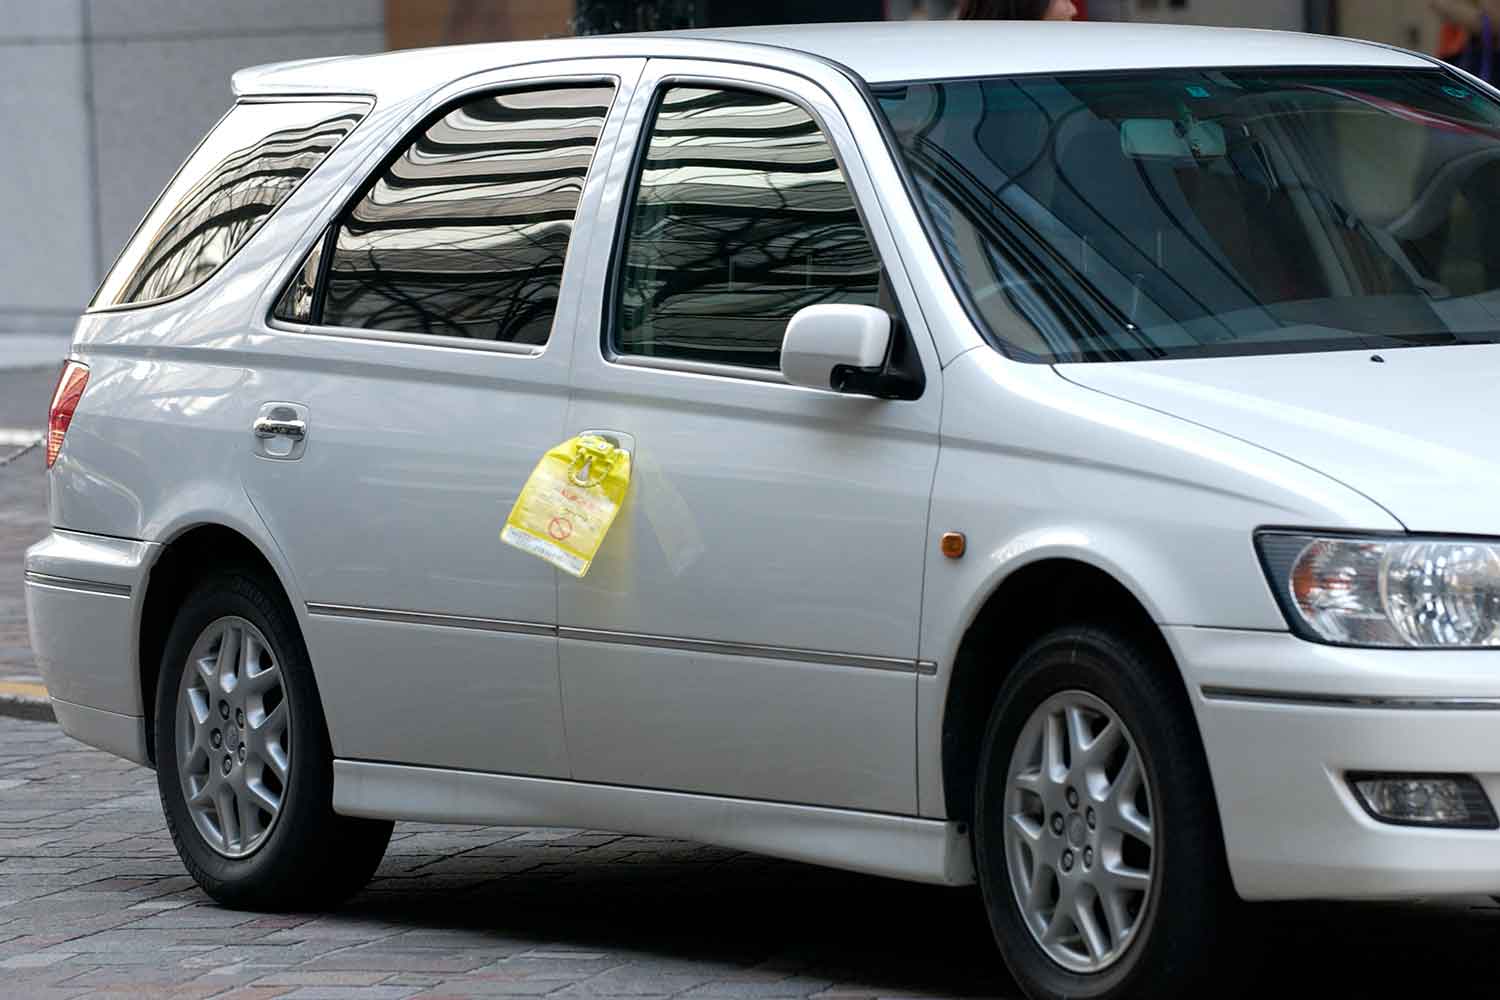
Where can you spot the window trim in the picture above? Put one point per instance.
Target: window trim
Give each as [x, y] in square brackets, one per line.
[613, 286]
[327, 231]
[367, 101]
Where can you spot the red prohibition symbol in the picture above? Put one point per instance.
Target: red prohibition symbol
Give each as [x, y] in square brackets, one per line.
[559, 528]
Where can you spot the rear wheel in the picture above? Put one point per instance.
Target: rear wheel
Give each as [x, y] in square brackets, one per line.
[1096, 834]
[244, 765]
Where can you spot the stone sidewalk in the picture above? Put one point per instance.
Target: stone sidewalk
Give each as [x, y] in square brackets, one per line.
[93, 903]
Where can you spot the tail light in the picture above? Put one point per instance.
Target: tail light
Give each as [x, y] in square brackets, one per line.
[65, 399]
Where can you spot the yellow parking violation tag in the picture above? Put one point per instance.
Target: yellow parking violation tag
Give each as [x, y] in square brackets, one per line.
[568, 503]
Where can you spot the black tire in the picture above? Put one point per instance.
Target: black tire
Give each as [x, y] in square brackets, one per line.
[1192, 909]
[311, 858]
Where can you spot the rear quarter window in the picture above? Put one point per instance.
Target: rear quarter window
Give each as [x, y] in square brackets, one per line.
[241, 173]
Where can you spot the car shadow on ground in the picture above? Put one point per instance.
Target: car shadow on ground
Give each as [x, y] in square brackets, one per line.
[691, 906]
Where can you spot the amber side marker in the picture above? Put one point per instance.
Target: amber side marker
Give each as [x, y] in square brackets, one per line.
[953, 544]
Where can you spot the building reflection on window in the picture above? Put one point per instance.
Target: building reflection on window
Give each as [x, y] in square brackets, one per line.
[465, 233]
[742, 218]
[216, 215]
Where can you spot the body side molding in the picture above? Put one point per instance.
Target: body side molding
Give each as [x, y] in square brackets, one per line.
[679, 643]
[904, 847]
[1260, 697]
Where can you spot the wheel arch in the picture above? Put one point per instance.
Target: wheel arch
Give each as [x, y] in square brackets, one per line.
[1045, 593]
[190, 554]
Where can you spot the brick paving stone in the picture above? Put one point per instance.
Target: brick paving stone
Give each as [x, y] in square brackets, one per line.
[353, 993]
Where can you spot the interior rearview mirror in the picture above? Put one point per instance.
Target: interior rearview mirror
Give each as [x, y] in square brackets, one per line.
[1165, 139]
[836, 347]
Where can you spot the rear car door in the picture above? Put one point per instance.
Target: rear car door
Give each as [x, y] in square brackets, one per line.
[417, 367]
[750, 626]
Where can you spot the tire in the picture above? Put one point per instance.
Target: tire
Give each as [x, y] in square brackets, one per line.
[1161, 938]
[252, 709]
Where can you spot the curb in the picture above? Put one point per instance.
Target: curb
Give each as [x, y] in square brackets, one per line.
[25, 701]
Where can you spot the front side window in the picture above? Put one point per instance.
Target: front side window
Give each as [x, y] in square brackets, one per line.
[229, 186]
[741, 218]
[1199, 213]
[464, 234]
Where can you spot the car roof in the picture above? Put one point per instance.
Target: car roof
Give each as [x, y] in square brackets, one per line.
[879, 52]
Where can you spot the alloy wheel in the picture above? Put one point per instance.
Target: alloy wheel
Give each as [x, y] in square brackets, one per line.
[1080, 832]
[233, 737]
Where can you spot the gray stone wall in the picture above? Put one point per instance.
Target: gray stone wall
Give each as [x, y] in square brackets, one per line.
[100, 100]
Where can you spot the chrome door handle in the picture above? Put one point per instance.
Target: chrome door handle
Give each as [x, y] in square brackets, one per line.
[268, 427]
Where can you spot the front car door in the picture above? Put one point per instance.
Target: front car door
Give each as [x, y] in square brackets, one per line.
[425, 345]
[750, 626]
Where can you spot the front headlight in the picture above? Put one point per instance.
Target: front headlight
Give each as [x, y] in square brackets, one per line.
[1396, 591]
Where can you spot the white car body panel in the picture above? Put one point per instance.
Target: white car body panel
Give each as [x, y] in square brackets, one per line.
[1409, 415]
[463, 429]
[876, 52]
[757, 682]
[839, 492]
[1165, 507]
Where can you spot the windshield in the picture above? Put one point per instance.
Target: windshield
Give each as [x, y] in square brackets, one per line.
[1106, 217]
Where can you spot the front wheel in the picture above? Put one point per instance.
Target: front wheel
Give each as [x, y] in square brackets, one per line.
[1096, 835]
[244, 765]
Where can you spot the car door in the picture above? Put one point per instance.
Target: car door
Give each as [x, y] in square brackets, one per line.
[415, 370]
[750, 625]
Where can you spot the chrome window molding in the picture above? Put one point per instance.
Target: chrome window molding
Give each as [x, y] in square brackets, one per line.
[682, 366]
[79, 586]
[416, 339]
[1395, 703]
[862, 661]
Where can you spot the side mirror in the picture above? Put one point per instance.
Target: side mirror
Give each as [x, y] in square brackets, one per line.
[826, 347]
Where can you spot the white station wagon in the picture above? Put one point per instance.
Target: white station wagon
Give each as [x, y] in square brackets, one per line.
[1063, 459]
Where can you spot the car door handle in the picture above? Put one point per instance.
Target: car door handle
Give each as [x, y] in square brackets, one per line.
[270, 427]
[617, 438]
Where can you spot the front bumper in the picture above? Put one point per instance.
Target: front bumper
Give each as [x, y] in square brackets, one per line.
[1285, 720]
[83, 599]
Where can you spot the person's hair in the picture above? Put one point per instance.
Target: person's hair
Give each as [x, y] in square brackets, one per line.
[1007, 10]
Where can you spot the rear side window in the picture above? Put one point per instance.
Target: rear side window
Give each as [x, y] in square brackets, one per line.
[741, 218]
[465, 232]
[241, 173]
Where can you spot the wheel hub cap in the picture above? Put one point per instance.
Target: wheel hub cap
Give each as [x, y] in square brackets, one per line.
[233, 737]
[1080, 832]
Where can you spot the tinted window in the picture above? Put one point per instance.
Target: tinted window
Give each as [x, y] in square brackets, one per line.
[1188, 213]
[742, 217]
[465, 232]
[233, 181]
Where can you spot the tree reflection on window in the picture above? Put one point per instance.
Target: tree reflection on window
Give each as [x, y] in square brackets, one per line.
[742, 218]
[466, 232]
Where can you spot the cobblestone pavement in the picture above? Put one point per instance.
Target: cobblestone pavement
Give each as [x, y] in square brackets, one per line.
[23, 510]
[93, 902]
